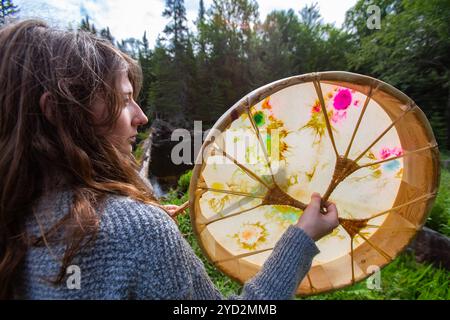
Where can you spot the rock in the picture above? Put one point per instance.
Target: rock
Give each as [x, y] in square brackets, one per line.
[145, 161]
[431, 246]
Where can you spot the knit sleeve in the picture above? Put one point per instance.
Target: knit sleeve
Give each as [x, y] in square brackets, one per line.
[169, 269]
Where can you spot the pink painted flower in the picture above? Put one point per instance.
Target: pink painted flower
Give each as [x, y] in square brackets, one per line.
[397, 151]
[342, 100]
[385, 153]
[338, 116]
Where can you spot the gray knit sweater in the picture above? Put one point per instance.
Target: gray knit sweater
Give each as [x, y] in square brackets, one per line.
[139, 253]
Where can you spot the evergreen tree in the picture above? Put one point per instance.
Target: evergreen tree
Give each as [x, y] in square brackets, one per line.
[7, 9]
[145, 52]
[162, 99]
[105, 33]
[181, 65]
[202, 79]
[176, 30]
[87, 26]
[144, 58]
[200, 23]
[229, 32]
[130, 46]
[310, 16]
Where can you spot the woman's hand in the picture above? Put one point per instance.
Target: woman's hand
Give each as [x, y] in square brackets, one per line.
[316, 224]
[172, 209]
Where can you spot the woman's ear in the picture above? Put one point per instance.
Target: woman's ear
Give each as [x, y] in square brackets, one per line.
[47, 106]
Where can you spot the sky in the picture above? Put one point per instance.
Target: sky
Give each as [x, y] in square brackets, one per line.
[132, 17]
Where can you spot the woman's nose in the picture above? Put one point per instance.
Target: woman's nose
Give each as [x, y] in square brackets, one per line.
[144, 119]
[140, 118]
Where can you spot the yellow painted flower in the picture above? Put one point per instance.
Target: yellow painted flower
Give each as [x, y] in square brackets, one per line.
[217, 204]
[251, 235]
[218, 186]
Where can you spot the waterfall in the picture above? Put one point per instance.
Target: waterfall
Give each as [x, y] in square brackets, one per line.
[157, 188]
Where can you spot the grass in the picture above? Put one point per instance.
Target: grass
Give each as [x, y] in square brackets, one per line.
[403, 279]
[439, 218]
[445, 154]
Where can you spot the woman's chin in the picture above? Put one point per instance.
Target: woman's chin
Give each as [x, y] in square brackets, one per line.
[126, 149]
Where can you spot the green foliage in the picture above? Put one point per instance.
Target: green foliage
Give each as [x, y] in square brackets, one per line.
[438, 122]
[176, 30]
[142, 136]
[439, 218]
[173, 66]
[184, 181]
[410, 52]
[144, 58]
[197, 75]
[445, 155]
[225, 67]
[356, 17]
[139, 150]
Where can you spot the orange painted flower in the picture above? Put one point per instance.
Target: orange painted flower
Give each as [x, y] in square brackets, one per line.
[266, 103]
[316, 107]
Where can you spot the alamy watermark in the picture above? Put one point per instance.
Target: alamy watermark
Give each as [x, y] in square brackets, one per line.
[242, 145]
[374, 281]
[74, 279]
[374, 18]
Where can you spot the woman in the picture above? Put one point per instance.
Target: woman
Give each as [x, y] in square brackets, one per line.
[70, 195]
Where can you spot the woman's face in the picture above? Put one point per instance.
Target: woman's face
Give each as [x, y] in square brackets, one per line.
[124, 132]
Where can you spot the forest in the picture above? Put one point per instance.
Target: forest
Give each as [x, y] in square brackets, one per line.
[198, 74]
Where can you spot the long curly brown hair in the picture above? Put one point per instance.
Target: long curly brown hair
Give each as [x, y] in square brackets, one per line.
[38, 155]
